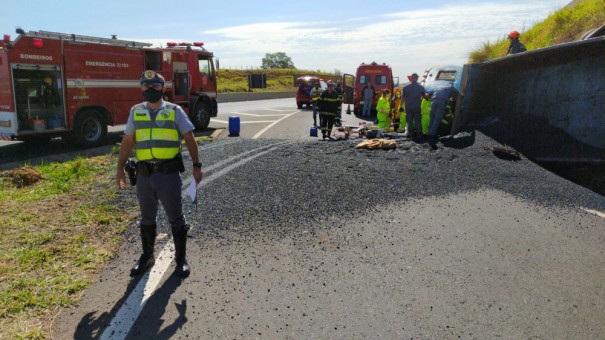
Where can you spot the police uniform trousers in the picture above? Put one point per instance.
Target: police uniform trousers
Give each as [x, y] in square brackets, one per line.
[165, 188]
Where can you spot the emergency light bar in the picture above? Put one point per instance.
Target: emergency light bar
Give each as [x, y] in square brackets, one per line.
[196, 44]
[37, 42]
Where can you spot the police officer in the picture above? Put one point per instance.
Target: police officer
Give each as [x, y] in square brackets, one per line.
[154, 129]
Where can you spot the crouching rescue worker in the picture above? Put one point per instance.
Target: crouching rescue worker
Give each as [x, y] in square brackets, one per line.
[154, 129]
[329, 105]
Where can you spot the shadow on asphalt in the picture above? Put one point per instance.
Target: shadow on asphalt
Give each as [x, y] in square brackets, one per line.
[56, 150]
[91, 326]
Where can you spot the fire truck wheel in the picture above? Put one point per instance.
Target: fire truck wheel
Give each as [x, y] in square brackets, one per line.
[90, 129]
[201, 116]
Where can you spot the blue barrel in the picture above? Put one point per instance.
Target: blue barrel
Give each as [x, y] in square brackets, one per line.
[233, 126]
[313, 131]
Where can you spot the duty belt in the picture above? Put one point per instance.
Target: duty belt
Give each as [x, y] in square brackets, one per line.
[147, 168]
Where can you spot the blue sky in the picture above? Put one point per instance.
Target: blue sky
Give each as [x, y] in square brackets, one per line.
[411, 36]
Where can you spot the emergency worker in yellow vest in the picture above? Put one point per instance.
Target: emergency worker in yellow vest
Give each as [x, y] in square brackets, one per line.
[154, 130]
[315, 93]
[383, 110]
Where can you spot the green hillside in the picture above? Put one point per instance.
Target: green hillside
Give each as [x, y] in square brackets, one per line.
[230, 80]
[565, 25]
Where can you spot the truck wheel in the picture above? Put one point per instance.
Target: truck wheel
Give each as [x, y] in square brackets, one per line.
[90, 129]
[200, 116]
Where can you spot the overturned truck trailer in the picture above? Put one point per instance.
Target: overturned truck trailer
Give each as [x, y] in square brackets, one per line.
[547, 103]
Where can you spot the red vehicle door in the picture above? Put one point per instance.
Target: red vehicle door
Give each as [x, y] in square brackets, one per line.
[348, 86]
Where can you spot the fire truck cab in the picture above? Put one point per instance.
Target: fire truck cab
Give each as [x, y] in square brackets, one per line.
[379, 75]
[73, 86]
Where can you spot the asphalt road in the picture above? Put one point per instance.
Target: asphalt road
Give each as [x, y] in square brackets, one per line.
[297, 238]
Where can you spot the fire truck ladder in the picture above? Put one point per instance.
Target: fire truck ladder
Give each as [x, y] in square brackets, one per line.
[88, 39]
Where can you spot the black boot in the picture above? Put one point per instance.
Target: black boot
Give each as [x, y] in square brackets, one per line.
[180, 250]
[148, 233]
[433, 142]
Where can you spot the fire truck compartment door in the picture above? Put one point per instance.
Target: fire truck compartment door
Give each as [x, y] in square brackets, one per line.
[29, 82]
[181, 81]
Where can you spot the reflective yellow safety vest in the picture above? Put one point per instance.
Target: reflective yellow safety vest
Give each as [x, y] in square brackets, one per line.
[383, 108]
[315, 93]
[426, 115]
[157, 139]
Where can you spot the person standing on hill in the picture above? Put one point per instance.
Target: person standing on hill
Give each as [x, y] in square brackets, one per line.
[515, 45]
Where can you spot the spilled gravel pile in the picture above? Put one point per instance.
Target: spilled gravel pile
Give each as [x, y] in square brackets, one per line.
[316, 182]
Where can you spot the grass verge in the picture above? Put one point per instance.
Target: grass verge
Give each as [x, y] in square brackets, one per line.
[59, 224]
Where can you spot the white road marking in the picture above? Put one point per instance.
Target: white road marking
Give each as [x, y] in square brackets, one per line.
[279, 110]
[595, 212]
[131, 308]
[252, 114]
[243, 122]
[271, 125]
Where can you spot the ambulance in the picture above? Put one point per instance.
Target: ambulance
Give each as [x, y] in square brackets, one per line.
[379, 75]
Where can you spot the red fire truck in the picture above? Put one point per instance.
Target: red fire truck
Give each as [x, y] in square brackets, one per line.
[379, 75]
[74, 86]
